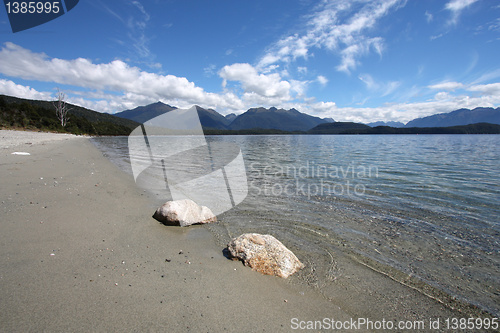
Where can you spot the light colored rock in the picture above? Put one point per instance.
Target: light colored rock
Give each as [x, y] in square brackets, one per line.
[184, 213]
[264, 254]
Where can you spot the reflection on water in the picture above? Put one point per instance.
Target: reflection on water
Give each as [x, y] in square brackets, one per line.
[423, 205]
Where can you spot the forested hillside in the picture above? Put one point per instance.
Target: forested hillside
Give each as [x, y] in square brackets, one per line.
[38, 116]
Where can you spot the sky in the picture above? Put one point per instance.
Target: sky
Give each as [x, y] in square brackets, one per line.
[356, 60]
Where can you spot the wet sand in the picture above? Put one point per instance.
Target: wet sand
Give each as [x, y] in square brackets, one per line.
[79, 252]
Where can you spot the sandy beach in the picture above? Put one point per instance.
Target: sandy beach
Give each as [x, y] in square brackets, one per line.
[19, 139]
[80, 252]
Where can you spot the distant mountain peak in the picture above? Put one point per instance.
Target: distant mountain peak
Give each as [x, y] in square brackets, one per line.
[159, 103]
[209, 118]
[142, 114]
[458, 118]
[395, 124]
[273, 118]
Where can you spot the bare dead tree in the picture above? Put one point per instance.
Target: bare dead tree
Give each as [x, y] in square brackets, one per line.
[62, 108]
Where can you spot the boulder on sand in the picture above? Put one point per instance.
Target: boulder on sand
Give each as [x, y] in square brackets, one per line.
[264, 254]
[184, 213]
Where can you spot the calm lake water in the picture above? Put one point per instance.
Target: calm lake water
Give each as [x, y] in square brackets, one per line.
[419, 206]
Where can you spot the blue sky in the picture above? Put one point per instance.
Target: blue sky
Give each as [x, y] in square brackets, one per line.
[350, 60]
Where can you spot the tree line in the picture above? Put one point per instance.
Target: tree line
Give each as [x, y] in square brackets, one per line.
[27, 116]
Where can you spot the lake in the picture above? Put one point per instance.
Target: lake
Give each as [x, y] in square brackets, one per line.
[422, 209]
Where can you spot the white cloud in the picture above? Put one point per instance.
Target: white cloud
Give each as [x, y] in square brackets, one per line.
[492, 89]
[327, 28]
[351, 53]
[269, 69]
[442, 101]
[434, 37]
[10, 88]
[299, 87]
[390, 87]
[264, 85]
[449, 86]
[456, 7]
[323, 109]
[284, 73]
[137, 85]
[490, 75]
[137, 32]
[428, 16]
[116, 86]
[209, 70]
[404, 112]
[382, 88]
[135, 20]
[322, 80]
[116, 76]
[368, 81]
[442, 96]
[495, 25]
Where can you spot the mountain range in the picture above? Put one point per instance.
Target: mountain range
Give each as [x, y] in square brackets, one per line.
[272, 118]
[38, 115]
[458, 118]
[295, 121]
[142, 114]
[396, 124]
[356, 128]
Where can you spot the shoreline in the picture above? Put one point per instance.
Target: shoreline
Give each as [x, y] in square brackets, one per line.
[81, 252]
[21, 138]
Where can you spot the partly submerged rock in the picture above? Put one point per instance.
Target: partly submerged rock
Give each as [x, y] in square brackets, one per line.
[184, 213]
[264, 254]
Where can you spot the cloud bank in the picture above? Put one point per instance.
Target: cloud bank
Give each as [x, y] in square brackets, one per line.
[115, 86]
[327, 28]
